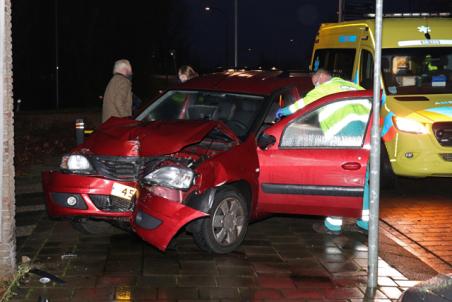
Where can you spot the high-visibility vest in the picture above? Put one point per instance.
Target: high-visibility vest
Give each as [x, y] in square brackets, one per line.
[334, 85]
[335, 117]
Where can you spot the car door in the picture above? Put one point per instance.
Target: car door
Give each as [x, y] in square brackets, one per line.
[310, 171]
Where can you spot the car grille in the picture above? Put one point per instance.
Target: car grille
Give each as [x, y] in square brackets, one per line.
[446, 156]
[443, 133]
[110, 203]
[123, 168]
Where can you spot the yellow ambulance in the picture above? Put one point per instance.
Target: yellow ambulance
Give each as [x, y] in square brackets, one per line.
[416, 72]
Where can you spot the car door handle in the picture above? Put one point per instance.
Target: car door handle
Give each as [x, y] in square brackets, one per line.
[351, 166]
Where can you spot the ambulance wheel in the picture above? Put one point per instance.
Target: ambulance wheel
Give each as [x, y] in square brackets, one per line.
[388, 180]
[224, 230]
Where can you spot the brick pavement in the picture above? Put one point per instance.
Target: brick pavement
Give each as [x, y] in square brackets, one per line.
[282, 259]
[418, 217]
[29, 211]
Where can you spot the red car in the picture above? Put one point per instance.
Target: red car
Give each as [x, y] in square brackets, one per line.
[209, 157]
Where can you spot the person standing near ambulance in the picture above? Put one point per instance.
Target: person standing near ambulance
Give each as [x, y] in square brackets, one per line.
[346, 120]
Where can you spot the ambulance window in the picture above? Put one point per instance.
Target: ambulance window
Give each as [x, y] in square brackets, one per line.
[366, 69]
[420, 70]
[337, 61]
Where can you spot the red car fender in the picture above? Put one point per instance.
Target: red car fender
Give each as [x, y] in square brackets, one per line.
[236, 166]
[166, 217]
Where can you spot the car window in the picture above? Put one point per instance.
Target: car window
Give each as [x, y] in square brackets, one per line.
[238, 111]
[339, 124]
[282, 99]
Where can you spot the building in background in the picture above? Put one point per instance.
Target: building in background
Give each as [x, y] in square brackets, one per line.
[7, 204]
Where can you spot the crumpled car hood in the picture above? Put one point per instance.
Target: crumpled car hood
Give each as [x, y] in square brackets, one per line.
[127, 137]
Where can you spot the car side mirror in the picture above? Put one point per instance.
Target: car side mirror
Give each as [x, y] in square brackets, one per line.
[265, 140]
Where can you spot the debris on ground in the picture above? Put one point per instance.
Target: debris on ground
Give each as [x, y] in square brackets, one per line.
[45, 274]
[25, 259]
[68, 256]
[44, 280]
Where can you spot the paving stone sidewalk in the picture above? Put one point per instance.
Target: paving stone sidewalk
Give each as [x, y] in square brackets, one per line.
[282, 259]
[418, 217]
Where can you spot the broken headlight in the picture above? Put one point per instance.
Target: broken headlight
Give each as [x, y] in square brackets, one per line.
[169, 176]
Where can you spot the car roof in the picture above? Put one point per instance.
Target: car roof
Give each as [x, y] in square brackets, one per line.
[256, 82]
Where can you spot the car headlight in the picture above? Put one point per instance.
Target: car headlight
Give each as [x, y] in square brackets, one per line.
[409, 125]
[173, 177]
[75, 162]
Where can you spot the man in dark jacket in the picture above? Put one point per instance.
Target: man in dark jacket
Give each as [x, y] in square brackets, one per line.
[118, 94]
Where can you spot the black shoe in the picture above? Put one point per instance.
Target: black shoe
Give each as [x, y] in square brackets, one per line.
[320, 228]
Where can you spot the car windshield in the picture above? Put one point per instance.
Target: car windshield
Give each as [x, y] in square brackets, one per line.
[425, 70]
[238, 111]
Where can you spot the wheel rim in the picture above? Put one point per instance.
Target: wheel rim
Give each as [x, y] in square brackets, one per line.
[228, 221]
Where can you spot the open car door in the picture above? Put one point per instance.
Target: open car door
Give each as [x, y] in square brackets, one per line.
[317, 163]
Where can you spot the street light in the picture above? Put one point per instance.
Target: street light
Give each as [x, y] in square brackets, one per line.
[210, 9]
[236, 25]
[172, 53]
[57, 63]
[340, 11]
[247, 62]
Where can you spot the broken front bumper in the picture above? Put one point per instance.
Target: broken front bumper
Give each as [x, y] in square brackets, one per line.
[84, 196]
[157, 219]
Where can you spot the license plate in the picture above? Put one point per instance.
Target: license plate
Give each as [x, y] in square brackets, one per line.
[123, 191]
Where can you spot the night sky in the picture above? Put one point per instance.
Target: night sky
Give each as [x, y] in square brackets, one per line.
[92, 34]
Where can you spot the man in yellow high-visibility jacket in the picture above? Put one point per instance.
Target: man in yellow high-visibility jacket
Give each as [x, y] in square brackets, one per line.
[347, 119]
[324, 85]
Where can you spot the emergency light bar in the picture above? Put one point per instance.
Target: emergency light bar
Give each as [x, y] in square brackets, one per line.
[410, 15]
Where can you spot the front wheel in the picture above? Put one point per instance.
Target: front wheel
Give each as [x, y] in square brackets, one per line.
[224, 230]
[388, 179]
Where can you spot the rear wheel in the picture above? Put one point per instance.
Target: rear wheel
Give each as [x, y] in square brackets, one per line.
[224, 230]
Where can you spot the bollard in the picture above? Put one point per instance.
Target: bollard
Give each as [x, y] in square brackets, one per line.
[79, 131]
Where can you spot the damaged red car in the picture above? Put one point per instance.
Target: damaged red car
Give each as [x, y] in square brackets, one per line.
[208, 157]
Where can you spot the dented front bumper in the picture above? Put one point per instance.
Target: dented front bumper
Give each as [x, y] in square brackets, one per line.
[156, 219]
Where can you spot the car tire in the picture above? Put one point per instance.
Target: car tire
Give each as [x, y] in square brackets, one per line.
[224, 230]
[388, 180]
[95, 227]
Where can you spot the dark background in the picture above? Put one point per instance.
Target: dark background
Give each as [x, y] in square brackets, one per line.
[92, 34]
